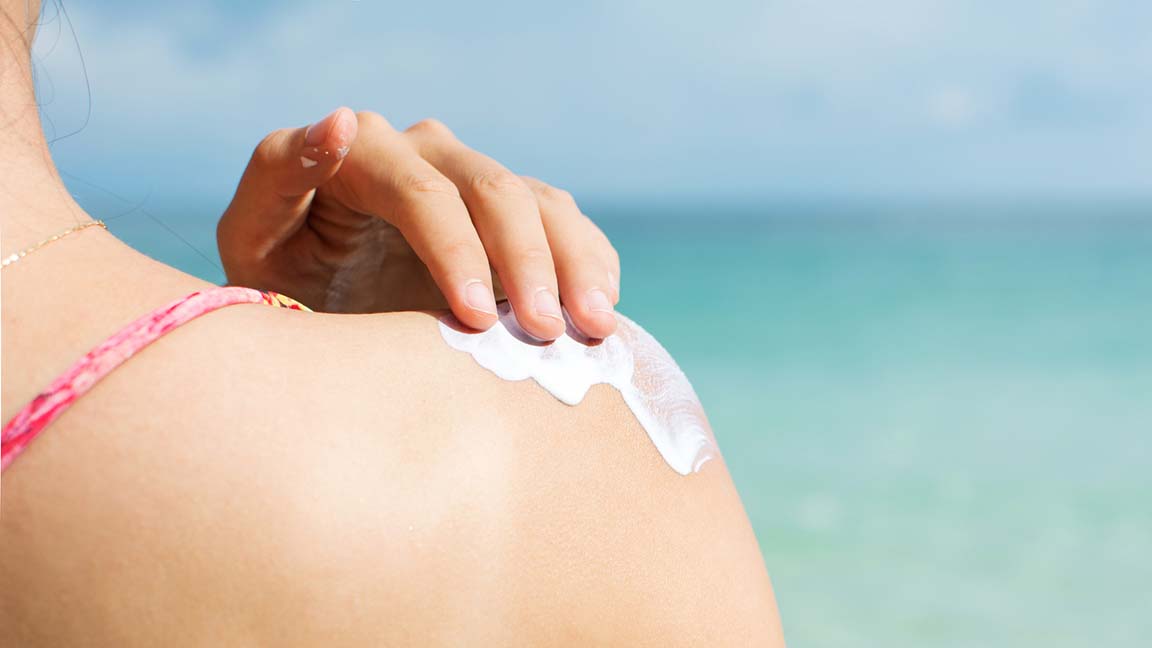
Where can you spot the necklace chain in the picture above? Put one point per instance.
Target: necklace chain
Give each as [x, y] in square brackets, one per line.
[16, 256]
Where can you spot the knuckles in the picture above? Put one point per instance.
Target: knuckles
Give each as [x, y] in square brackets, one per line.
[555, 195]
[420, 185]
[499, 183]
[609, 251]
[461, 257]
[463, 250]
[614, 257]
[273, 148]
[430, 127]
[531, 257]
[370, 119]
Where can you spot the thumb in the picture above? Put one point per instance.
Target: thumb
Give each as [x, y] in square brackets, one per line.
[276, 189]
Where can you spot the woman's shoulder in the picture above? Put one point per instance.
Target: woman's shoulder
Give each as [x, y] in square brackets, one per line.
[307, 474]
[526, 514]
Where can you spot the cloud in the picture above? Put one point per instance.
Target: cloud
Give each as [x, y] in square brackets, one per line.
[635, 97]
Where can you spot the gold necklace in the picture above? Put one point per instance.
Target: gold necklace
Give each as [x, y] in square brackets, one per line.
[16, 256]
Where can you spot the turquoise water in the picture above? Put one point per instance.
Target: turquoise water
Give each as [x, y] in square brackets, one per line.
[937, 416]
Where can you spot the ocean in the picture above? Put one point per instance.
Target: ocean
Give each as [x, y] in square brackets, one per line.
[938, 414]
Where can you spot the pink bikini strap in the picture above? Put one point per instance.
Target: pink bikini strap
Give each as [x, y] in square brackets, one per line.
[100, 361]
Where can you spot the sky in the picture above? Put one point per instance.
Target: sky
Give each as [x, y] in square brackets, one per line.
[625, 99]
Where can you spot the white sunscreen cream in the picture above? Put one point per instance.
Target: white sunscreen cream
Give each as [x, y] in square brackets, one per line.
[631, 360]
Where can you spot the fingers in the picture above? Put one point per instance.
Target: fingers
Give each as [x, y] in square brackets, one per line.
[459, 210]
[272, 198]
[506, 216]
[385, 176]
[587, 265]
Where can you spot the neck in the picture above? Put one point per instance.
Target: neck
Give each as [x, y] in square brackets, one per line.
[34, 203]
[58, 280]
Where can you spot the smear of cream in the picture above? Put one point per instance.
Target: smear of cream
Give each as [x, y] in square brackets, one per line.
[631, 360]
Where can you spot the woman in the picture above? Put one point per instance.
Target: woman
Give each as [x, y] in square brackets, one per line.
[264, 476]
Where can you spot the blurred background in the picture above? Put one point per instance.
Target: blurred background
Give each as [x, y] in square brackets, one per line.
[903, 249]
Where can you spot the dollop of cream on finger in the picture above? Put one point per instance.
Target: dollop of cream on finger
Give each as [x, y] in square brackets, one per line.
[632, 361]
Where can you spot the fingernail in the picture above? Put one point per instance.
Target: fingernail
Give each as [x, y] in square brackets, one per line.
[336, 132]
[318, 132]
[597, 301]
[546, 304]
[479, 297]
[614, 282]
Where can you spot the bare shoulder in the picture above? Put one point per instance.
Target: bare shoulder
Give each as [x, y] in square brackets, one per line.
[273, 477]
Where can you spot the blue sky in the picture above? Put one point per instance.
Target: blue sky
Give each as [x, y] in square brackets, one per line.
[628, 98]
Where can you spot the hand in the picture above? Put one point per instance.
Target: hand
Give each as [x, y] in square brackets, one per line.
[351, 215]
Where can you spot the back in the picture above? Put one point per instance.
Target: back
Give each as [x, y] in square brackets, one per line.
[261, 477]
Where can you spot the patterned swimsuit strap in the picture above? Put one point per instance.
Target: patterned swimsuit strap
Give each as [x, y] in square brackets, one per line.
[100, 361]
